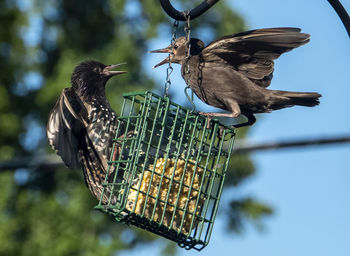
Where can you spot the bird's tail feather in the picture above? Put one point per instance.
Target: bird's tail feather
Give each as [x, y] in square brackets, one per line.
[289, 99]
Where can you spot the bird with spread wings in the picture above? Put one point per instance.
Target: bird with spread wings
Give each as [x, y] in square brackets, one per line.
[232, 73]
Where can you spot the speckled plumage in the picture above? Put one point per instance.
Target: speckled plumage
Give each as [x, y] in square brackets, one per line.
[82, 124]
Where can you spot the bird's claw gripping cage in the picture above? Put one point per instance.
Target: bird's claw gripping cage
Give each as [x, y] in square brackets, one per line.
[166, 169]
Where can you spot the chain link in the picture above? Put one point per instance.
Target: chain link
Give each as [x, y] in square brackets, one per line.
[170, 69]
[187, 30]
[167, 84]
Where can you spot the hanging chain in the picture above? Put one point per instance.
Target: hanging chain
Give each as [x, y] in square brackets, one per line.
[187, 30]
[169, 69]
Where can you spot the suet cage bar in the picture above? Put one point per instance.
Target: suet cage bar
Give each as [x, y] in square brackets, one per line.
[166, 170]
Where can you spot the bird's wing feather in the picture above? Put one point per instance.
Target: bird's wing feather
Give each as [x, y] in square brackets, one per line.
[62, 128]
[252, 52]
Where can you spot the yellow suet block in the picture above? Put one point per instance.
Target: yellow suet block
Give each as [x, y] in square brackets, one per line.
[165, 184]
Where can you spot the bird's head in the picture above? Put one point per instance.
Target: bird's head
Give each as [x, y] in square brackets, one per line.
[177, 51]
[90, 77]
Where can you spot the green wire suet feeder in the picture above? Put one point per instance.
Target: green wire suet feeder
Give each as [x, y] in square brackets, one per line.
[169, 173]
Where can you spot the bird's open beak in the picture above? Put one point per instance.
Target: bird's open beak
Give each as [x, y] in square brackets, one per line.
[164, 50]
[109, 72]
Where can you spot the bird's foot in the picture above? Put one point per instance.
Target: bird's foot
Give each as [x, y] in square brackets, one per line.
[209, 117]
[129, 134]
[221, 132]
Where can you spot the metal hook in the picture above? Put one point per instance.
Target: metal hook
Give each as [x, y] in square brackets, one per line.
[194, 13]
[190, 99]
[206, 4]
[343, 15]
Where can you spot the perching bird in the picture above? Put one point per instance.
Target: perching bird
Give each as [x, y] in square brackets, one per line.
[232, 72]
[82, 124]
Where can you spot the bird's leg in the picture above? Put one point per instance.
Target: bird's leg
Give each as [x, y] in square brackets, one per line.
[236, 111]
[251, 120]
[211, 114]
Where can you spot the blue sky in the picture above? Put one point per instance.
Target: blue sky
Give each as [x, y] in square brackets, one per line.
[309, 188]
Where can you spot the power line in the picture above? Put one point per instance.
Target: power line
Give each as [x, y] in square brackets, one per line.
[52, 161]
[244, 147]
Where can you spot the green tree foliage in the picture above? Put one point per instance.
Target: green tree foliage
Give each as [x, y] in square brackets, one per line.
[45, 211]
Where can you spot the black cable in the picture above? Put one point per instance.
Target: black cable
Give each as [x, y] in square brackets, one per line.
[247, 147]
[51, 162]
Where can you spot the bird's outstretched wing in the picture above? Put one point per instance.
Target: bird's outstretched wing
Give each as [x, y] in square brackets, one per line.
[252, 52]
[63, 126]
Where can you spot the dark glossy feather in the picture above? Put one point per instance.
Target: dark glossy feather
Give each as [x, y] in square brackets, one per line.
[252, 52]
[63, 127]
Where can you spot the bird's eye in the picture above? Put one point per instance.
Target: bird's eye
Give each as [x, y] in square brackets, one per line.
[97, 69]
[175, 46]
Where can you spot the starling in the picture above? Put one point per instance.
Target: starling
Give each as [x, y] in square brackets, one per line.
[82, 124]
[232, 73]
